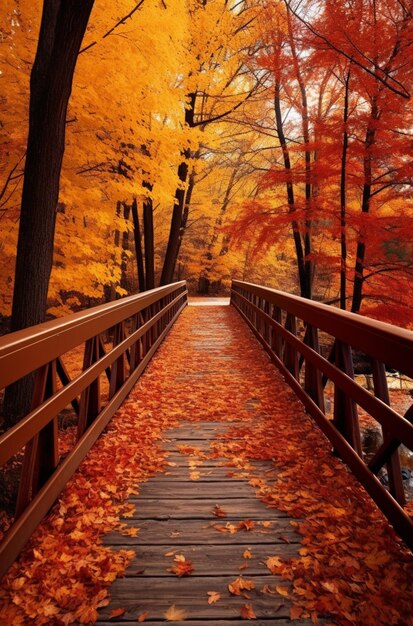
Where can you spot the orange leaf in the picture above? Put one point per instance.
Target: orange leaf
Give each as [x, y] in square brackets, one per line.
[182, 566]
[273, 563]
[296, 612]
[283, 591]
[246, 524]
[142, 616]
[116, 613]
[239, 585]
[247, 612]
[247, 554]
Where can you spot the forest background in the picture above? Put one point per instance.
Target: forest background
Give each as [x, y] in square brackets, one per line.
[269, 141]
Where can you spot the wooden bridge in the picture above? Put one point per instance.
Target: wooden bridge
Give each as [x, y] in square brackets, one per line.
[217, 493]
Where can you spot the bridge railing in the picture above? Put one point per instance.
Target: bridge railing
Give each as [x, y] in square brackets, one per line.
[116, 341]
[288, 328]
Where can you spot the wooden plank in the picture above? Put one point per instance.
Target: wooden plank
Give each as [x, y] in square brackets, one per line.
[206, 474]
[278, 621]
[156, 595]
[194, 490]
[212, 559]
[235, 508]
[189, 532]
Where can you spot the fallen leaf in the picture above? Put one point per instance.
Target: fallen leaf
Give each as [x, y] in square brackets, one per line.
[213, 596]
[173, 614]
[273, 563]
[283, 591]
[218, 511]
[247, 612]
[239, 585]
[182, 567]
[142, 616]
[247, 554]
[295, 612]
[117, 613]
[246, 524]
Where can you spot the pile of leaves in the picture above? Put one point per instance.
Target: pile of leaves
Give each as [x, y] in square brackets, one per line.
[64, 573]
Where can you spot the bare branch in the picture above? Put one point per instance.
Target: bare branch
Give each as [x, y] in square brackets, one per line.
[110, 31]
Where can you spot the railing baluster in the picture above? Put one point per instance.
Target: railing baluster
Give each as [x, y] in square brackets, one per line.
[313, 383]
[41, 455]
[290, 357]
[394, 470]
[276, 338]
[90, 397]
[118, 370]
[345, 409]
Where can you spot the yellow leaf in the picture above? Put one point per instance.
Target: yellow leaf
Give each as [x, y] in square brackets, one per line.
[173, 614]
[213, 596]
[247, 554]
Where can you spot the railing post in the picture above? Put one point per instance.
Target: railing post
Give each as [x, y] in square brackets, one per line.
[41, 455]
[90, 397]
[394, 471]
[276, 338]
[345, 409]
[118, 369]
[313, 383]
[290, 353]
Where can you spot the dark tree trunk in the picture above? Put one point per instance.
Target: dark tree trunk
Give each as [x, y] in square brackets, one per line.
[62, 29]
[172, 249]
[308, 265]
[125, 249]
[187, 204]
[299, 250]
[343, 199]
[138, 245]
[365, 208]
[149, 241]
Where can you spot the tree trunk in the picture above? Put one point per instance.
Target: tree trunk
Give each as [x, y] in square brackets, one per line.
[125, 248]
[299, 251]
[187, 204]
[138, 245]
[365, 208]
[343, 199]
[149, 240]
[61, 32]
[308, 264]
[172, 249]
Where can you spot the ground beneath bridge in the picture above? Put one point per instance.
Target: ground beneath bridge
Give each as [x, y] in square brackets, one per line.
[233, 507]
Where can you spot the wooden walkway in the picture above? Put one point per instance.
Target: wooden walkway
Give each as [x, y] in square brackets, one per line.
[191, 510]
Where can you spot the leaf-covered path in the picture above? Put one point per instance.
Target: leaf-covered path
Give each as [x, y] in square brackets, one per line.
[246, 513]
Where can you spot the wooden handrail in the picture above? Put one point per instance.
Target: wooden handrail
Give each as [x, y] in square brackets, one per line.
[39, 349]
[306, 371]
